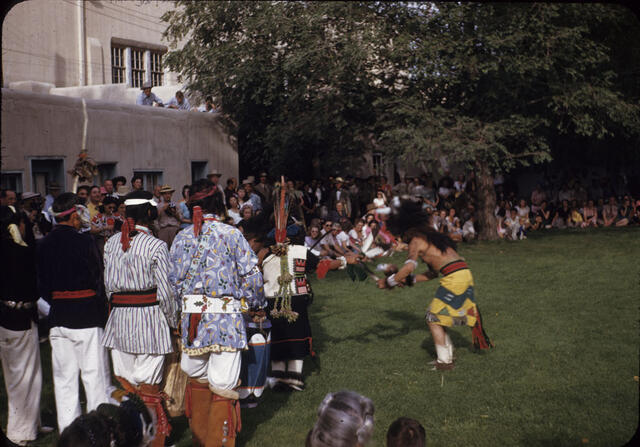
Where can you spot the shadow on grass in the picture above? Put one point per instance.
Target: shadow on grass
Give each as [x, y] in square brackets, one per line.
[272, 401]
[395, 324]
[252, 418]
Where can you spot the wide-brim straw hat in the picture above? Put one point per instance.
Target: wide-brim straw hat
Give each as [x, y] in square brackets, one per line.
[166, 188]
[30, 195]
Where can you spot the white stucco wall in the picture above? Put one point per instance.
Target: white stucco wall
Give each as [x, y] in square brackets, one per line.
[41, 38]
[136, 137]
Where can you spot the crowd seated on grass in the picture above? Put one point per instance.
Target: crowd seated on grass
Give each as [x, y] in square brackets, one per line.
[354, 210]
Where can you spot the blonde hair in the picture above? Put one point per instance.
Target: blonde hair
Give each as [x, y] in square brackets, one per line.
[345, 419]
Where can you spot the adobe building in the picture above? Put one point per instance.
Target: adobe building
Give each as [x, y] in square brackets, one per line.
[72, 70]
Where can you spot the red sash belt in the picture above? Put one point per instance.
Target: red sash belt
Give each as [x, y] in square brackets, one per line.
[453, 267]
[72, 294]
[142, 298]
[155, 400]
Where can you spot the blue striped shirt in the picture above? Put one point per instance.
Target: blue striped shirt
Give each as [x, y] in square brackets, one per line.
[144, 266]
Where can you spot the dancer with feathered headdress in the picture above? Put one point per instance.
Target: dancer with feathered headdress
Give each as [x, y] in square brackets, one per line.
[289, 295]
[454, 303]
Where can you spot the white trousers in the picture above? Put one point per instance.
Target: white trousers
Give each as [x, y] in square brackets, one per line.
[221, 369]
[20, 356]
[138, 368]
[78, 352]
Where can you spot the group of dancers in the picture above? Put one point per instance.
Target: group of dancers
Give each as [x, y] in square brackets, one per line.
[235, 304]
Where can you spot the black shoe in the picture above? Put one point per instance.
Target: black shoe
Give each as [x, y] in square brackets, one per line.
[295, 381]
[249, 402]
[281, 387]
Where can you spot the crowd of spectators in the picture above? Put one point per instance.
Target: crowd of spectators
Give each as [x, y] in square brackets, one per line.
[177, 102]
[347, 215]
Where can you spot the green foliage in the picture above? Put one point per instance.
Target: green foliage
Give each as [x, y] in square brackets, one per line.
[303, 81]
[294, 76]
[494, 82]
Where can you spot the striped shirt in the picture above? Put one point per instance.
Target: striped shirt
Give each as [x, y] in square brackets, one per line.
[144, 266]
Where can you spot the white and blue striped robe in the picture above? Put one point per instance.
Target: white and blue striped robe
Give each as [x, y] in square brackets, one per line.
[144, 266]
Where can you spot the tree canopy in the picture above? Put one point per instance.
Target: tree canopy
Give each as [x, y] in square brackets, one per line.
[486, 85]
[296, 77]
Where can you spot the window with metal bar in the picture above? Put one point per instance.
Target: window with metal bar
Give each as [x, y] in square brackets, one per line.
[137, 67]
[156, 69]
[118, 66]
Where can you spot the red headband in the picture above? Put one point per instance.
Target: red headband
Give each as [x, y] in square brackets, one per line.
[66, 212]
[202, 194]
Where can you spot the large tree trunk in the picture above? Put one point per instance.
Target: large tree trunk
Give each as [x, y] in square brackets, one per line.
[487, 222]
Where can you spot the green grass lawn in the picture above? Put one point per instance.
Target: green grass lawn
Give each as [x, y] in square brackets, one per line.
[561, 309]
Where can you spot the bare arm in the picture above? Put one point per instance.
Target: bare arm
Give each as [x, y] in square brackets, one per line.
[409, 266]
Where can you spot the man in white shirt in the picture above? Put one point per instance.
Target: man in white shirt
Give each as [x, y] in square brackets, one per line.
[178, 102]
[147, 98]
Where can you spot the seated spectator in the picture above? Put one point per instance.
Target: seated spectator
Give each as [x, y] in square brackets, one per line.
[230, 190]
[610, 212]
[370, 247]
[537, 197]
[635, 218]
[624, 213]
[542, 217]
[406, 432]
[345, 419]
[380, 201]
[332, 244]
[246, 212]
[234, 211]
[600, 208]
[104, 223]
[460, 185]
[252, 197]
[468, 229]
[514, 226]
[119, 214]
[576, 220]
[562, 215]
[368, 218]
[590, 214]
[242, 198]
[147, 98]
[429, 195]
[339, 214]
[342, 237]
[136, 183]
[523, 212]
[109, 188]
[168, 217]
[183, 209]
[311, 240]
[500, 227]
[326, 227]
[178, 102]
[440, 221]
[119, 185]
[209, 106]
[453, 225]
[356, 234]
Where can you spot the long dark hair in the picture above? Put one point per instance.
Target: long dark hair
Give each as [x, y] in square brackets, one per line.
[409, 219]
